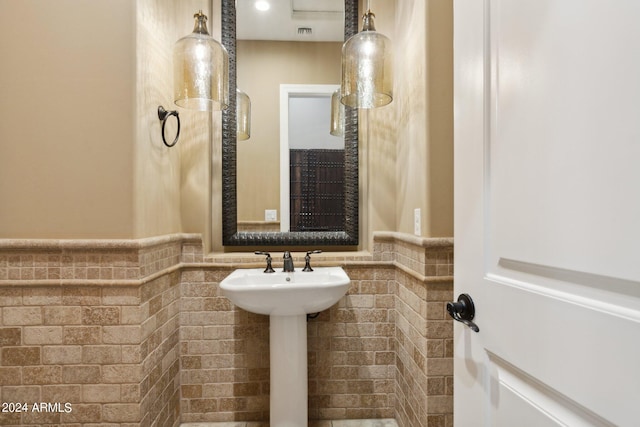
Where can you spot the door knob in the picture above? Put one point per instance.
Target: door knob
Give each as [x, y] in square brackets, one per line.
[463, 311]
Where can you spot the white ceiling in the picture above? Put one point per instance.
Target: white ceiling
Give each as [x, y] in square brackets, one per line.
[285, 17]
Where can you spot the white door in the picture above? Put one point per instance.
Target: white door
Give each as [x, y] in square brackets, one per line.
[547, 212]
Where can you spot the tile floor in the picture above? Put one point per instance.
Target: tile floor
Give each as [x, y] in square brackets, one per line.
[343, 423]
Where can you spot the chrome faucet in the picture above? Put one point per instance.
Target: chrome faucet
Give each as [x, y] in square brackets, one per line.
[288, 262]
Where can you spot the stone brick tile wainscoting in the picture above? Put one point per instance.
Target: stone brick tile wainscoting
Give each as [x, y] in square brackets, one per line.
[92, 326]
[136, 333]
[424, 330]
[224, 353]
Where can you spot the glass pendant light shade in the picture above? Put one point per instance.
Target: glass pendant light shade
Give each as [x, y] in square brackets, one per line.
[243, 115]
[200, 70]
[367, 68]
[337, 115]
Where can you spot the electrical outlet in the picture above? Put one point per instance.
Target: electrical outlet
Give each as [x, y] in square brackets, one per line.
[270, 214]
[417, 222]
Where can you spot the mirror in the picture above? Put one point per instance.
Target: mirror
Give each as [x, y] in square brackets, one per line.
[343, 230]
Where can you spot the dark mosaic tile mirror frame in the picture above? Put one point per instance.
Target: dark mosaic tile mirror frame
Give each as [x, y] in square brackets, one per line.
[230, 234]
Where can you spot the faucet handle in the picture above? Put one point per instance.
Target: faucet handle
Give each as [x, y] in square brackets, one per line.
[307, 259]
[269, 269]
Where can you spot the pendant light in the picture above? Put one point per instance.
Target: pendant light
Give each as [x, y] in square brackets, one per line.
[367, 70]
[243, 115]
[201, 70]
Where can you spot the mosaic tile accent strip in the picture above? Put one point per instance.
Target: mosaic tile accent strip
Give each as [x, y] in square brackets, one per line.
[50, 262]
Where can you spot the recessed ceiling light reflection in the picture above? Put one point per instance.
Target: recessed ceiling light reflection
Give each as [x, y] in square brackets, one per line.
[262, 5]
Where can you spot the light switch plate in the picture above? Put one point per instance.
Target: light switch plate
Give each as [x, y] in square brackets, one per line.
[270, 214]
[417, 222]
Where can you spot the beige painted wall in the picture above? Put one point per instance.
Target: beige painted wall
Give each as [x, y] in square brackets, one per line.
[262, 67]
[172, 186]
[81, 153]
[415, 131]
[378, 133]
[67, 117]
[424, 39]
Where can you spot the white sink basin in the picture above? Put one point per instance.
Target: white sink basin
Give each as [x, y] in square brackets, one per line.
[287, 298]
[286, 294]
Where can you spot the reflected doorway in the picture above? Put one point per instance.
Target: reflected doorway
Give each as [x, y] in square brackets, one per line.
[311, 161]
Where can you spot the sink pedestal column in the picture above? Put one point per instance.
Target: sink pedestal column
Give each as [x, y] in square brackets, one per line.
[288, 359]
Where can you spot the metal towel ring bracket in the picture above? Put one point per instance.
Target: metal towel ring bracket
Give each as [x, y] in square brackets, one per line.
[163, 115]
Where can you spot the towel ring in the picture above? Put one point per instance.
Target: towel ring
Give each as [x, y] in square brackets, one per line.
[163, 115]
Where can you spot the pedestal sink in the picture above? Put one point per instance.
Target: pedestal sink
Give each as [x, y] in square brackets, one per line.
[287, 298]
